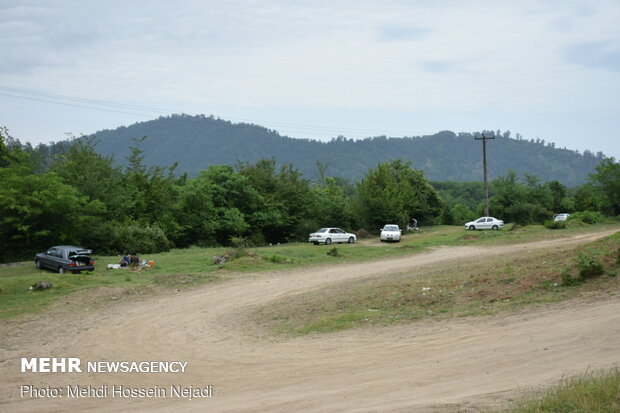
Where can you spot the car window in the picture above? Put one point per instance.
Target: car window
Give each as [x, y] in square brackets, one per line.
[390, 228]
[322, 230]
[480, 220]
[489, 219]
[332, 231]
[338, 230]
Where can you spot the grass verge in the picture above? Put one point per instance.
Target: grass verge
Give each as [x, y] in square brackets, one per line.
[595, 392]
[469, 288]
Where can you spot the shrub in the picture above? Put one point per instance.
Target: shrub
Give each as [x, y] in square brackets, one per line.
[139, 239]
[334, 252]
[550, 224]
[236, 253]
[239, 242]
[589, 266]
[587, 217]
[362, 233]
[515, 227]
[568, 280]
[277, 259]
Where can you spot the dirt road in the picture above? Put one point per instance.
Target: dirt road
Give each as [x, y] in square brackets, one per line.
[456, 365]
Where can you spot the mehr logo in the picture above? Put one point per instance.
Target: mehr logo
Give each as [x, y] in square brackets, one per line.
[51, 365]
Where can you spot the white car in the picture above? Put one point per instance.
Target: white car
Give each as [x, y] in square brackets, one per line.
[485, 223]
[390, 232]
[561, 217]
[328, 235]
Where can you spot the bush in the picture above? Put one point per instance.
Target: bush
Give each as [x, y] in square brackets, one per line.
[514, 227]
[568, 280]
[277, 259]
[362, 233]
[236, 253]
[589, 266]
[334, 252]
[550, 224]
[587, 217]
[139, 239]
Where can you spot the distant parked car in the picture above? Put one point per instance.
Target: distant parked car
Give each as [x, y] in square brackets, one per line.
[561, 217]
[63, 258]
[390, 232]
[328, 235]
[485, 223]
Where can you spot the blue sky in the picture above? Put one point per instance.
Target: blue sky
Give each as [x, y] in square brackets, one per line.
[316, 69]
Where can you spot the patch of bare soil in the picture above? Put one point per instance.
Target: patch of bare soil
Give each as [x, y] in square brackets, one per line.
[457, 365]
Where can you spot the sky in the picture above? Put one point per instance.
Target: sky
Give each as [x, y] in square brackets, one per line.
[316, 69]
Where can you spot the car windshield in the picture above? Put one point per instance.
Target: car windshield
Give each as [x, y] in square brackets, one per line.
[322, 230]
[390, 228]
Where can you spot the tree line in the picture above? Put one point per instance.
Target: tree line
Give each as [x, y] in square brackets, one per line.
[84, 198]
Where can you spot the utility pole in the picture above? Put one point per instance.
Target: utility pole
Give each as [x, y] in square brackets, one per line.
[484, 161]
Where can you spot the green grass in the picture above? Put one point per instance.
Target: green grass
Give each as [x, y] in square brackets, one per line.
[183, 268]
[597, 392]
[469, 288]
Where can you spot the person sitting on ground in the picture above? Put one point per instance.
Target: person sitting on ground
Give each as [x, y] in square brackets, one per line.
[125, 261]
[134, 260]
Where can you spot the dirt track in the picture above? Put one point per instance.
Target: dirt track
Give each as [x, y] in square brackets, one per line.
[457, 365]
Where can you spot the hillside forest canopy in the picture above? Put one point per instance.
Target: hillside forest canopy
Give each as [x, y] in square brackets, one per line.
[194, 143]
[79, 196]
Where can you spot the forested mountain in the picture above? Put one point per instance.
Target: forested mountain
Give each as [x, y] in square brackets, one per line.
[196, 142]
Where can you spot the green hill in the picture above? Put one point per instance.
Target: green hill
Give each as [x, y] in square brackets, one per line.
[196, 142]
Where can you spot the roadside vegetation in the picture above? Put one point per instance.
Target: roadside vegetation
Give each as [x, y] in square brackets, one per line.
[76, 196]
[189, 267]
[471, 287]
[592, 392]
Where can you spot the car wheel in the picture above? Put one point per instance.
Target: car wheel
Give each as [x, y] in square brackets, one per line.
[351, 240]
[471, 228]
[61, 270]
[328, 241]
[39, 265]
[495, 227]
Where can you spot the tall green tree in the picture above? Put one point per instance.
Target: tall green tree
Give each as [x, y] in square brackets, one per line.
[606, 180]
[94, 176]
[37, 211]
[332, 205]
[393, 193]
[287, 199]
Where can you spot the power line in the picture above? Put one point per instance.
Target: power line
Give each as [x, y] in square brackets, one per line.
[144, 111]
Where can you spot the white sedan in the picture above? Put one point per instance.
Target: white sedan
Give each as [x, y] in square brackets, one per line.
[328, 235]
[390, 232]
[485, 223]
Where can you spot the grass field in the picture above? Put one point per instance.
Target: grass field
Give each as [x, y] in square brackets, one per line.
[184, 268]
[469, 288]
